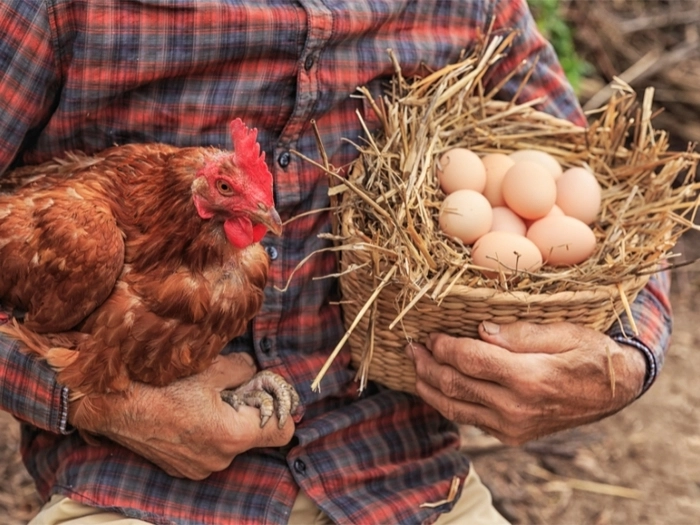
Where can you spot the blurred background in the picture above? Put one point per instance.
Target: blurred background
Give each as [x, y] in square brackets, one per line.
[644, 42]
[642, 465]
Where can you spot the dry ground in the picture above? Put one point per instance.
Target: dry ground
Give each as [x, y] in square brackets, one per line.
[640, 466]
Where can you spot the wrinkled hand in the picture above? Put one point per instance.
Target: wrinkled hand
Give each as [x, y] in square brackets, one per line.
[523, 381]
[185, 428]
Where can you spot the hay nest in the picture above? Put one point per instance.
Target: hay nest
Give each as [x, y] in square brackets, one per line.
[402, 278]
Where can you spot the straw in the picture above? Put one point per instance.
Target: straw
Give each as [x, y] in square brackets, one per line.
[387, 209]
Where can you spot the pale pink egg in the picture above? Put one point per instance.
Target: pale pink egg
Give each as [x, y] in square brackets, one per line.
[540, 157]
[579, 194]
[562, 240]
[506, 220]
[529, 190]
[466, 215]
[496, 165]
[506, 251]
[554, 212]
[461, 169]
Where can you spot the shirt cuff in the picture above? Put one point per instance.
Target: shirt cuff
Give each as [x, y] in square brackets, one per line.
[29, 389]
[651, 311]
[649, 357]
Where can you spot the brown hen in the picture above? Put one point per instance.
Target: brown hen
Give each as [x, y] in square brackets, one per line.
[140, 263]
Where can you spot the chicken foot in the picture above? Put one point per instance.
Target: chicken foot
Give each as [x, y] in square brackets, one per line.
[269, 393]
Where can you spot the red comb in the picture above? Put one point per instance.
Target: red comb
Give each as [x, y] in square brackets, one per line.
[247, 149]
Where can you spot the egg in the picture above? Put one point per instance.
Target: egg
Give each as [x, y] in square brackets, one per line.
[579, 194]
[562, 240]
[506, 220]
[465, 214]
[529, 190]
[461, 169]
[556, 210]
[540, 157]
[506, 251]
[496, 165]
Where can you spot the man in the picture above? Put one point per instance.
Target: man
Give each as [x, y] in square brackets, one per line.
[85, 75]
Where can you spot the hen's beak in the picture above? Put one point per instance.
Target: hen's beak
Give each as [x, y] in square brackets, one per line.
[269, 218]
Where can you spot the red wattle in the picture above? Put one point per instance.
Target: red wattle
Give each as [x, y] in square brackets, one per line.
[239, 232]
[259, 231]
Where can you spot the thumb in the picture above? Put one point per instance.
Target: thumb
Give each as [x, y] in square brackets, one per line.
[532, 338]
[231, 370]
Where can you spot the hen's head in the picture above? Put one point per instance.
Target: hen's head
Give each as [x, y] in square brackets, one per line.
[237, 189]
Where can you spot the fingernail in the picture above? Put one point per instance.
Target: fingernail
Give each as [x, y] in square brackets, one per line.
[409, 352]
[491, 328]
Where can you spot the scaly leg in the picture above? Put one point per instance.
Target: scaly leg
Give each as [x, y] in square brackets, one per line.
[269, 393]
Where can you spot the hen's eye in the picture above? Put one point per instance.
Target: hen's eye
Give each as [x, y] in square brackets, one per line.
[224, 188]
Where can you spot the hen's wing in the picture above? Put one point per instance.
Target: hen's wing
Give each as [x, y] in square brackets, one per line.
[60, 255]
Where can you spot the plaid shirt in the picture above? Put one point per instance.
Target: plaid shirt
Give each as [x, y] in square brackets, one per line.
[87, 74]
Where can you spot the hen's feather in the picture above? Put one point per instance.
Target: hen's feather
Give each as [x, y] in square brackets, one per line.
[118, 253]
[60, 250]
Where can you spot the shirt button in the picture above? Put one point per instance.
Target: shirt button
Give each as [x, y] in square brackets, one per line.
[272, 252]
[300, 466]
[309, 62]
[266, 345]
[283, 159]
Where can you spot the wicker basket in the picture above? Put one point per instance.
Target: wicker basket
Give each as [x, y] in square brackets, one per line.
[377, 342]
[401, 278]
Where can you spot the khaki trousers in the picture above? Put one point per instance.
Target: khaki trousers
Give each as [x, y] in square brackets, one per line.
[473, 508]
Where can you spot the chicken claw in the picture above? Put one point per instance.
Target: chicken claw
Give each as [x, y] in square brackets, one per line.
[269, 393]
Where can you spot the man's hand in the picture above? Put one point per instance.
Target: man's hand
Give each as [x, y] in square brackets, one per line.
[523, 381]
[184, 428]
